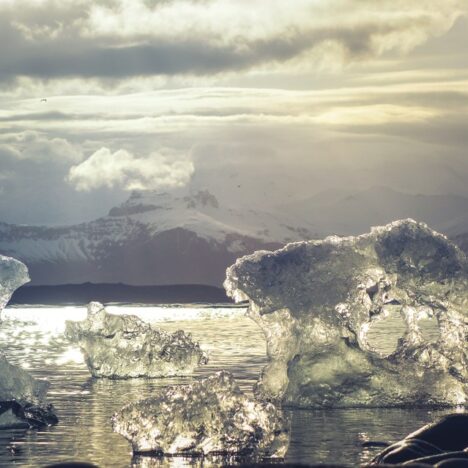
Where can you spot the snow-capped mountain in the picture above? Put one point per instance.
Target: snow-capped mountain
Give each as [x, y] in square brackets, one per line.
[153, 238]
[188, 237]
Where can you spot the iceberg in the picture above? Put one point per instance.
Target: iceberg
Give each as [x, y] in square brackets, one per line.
[317, 300]
[16, 384]
[209, 417]
[22, 397]
[13, 274]
[124, 346]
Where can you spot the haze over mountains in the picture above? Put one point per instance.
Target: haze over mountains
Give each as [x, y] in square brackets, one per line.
[352, 212]
[191, 237]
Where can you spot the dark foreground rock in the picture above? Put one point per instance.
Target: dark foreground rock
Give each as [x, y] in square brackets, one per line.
[26, 415]
[317, 300]
[123, 346]
[432, 445]
[209, 417]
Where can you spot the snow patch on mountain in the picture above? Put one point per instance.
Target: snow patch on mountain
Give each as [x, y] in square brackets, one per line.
[202, 214]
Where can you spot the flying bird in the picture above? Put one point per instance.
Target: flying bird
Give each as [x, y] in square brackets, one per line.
[43, 100]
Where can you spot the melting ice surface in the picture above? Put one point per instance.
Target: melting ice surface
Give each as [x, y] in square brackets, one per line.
[125, 346]
[33, 338]
[317, 301]
[13, 274]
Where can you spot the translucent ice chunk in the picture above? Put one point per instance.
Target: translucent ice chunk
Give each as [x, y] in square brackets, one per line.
[13, 274]
[316, 301]
[209, 417]
[124, 346]
[22, 397]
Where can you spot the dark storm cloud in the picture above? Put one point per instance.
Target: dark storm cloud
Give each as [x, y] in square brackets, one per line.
[61, 51]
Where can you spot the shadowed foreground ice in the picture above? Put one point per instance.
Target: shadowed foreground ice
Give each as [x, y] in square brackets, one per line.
[316, 302]
[209, 417]
[124, 346]
[22, 398]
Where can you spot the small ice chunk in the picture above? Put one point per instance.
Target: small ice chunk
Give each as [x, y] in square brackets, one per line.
[13, 274]
[209, 417]
[123, 346]
[17, 384]
[22, 397]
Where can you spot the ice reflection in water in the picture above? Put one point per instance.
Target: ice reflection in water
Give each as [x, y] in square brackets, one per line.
[33, 338]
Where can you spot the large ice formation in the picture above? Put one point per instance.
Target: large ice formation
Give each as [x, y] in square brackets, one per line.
[209, 417]
[22, 398]
[13, 274]
[317, 300]
[123, 346]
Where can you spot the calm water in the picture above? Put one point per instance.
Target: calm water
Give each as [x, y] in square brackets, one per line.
[33, 338]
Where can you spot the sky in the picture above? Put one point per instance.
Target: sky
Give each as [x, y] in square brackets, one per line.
[259, 101]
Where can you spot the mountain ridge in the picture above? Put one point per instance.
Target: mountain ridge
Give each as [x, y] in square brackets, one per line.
[123, 293]
[192, 237]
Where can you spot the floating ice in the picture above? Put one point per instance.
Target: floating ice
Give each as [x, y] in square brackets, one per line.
[123, 346]
[13, 274]
[211, 416]
[17, 384]
[22, 398]
[316, 300]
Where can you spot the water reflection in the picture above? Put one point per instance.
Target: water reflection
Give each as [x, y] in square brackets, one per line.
[33, 338]
[323, 436]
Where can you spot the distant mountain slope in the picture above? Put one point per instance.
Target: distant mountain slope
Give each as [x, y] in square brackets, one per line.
[190, 238]
[350, 213]
[153, 238]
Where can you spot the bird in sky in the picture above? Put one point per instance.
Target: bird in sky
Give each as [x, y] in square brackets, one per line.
[43, 100]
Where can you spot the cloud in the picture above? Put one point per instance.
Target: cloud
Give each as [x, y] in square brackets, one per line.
[33, 167]
[122, 39]
[122, 169]
[237, 85]
[34, 148]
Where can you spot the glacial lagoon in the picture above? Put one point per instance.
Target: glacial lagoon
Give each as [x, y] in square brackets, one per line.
[33, 338]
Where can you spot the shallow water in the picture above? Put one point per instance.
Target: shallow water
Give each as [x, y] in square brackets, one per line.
[33, 338]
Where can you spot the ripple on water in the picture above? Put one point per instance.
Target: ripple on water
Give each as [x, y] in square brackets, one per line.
[33, 338]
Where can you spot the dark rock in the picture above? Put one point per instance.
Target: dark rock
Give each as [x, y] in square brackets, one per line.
[433, 443]
[16, 415]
